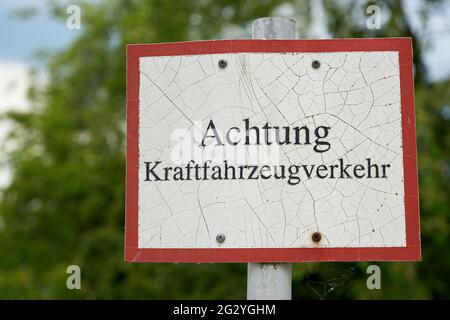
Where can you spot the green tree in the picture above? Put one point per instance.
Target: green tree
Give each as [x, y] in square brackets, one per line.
[65, 204]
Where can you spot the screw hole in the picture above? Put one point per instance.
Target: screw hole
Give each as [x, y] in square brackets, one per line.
[220, 238]
[222, 63]
[316, 237]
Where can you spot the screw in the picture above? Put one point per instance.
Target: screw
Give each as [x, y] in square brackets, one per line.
[315, 64]
[220, 237]
[316, 236]
[222, 63]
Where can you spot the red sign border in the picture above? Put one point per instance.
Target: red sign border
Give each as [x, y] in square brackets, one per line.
[412, 251]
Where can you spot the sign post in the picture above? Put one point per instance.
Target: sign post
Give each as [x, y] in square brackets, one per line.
[271, 281]
[271, 150]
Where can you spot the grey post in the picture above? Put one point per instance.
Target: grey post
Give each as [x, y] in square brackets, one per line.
[273, 28]
[271, 281]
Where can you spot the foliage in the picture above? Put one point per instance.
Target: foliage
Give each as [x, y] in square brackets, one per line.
[65, 204]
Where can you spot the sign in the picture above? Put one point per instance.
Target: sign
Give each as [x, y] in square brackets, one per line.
[271, 151]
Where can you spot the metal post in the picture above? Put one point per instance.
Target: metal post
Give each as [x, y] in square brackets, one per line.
[273, 28]
[271, 281]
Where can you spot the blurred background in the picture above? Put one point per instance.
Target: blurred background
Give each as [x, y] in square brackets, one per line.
[62, 144]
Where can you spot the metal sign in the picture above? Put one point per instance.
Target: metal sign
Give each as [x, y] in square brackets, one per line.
[271, 151]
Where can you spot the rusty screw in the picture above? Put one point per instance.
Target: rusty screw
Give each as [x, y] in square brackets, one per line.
[316, 237]
[223, 63]
[220, 238]
[315, 64]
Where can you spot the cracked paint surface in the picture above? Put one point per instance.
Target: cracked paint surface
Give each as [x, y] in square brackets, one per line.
[357, 94]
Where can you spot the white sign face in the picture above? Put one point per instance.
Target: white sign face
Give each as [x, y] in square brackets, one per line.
[271, 150]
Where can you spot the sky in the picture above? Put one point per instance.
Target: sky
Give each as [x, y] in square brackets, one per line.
[19, 42]
[21, 39]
